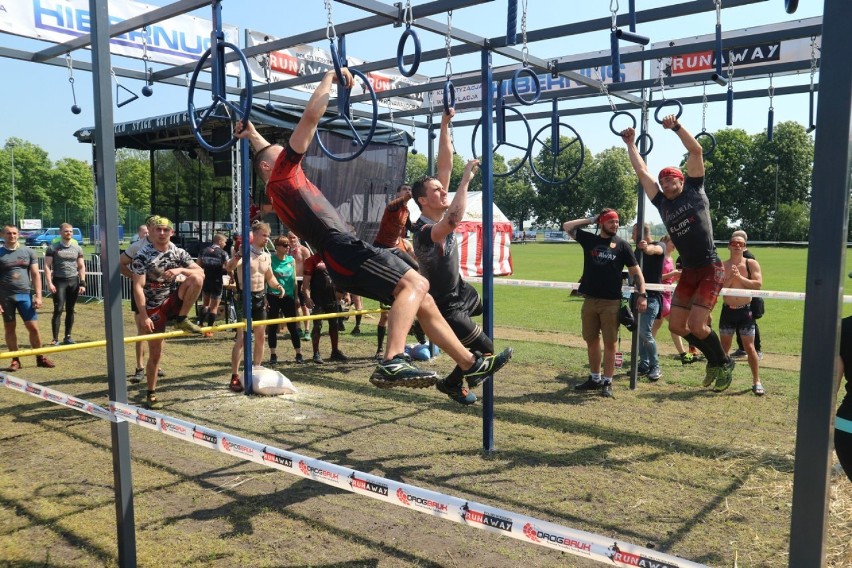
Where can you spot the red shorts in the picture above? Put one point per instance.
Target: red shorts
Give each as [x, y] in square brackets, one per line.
[165, 311]
[699, 286]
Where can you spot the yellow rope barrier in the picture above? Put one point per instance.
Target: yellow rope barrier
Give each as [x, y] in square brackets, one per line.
[173, 334]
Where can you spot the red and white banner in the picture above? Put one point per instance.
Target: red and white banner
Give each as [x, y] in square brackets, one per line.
[470, 248]
[176, 41]
[301, 60]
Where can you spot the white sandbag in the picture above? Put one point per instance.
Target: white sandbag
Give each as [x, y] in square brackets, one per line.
[269, 382]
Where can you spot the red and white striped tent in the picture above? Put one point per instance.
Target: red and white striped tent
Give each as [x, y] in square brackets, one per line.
[470, 237]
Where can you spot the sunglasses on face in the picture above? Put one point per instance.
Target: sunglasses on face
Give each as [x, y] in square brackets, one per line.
[737, 244]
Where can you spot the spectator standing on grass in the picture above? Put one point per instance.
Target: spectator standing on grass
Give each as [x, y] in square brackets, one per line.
[65, 274]
[19, 279]
[212, 260]
[740, 352]
[284, 269]
[124, 261]
[650, 254]
[741, 274]
[685, 211]
[604, 257]
[300, 254]
[260, 275]
[321, 298]
[671, 274]
[159, 296]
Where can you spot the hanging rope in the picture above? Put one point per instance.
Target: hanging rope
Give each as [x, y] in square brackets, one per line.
[75, 108]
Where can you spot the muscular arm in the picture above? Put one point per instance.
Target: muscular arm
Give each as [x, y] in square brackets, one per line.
[445, 150]
[124, 265]
[139, 295]
[455, 213]
[35, 278]
[571, 227]
[649, 184]
[756, 280]
[695, 158]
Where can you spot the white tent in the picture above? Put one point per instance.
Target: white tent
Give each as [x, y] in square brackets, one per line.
[470, 237]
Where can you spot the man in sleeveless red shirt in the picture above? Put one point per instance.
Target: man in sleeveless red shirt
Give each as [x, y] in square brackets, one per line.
[356, 266]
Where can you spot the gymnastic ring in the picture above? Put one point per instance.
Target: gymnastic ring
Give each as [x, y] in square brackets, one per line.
[617, 114]
[536, 84]
[401, 47]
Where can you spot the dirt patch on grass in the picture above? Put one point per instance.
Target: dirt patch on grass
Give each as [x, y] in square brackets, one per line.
[668, 465]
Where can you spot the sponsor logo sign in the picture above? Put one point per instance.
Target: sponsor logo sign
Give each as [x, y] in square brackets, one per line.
[534, 534]
[317, 472]
[630, 559]
[276, 458]
[236, 448]
[410, 499]
[486, 518]
[367, 485]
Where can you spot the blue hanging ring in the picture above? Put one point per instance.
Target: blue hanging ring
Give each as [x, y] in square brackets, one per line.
[650, 144]
[449, 96]
[616, 115]
[663, 104]
[536, 92]
[408, 33]
[241, 112]
[705, 134]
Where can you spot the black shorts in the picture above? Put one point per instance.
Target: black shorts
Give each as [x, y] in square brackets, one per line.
[736, 319]
[258, 306]
[212, 288]
[465, 329]
[359, 268]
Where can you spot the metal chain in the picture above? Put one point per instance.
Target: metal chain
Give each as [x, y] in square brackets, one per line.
[771, 92]
[407, 14]
[813, 60]
[145, 44]
[704, 107]
[448, 67]
[730, 70]
[70, 64]
[525, 50]
[661, 78]
[613, 7]
[604, 90]
[330, 32]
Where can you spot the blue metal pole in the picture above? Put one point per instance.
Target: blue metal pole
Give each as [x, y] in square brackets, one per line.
[487, 170]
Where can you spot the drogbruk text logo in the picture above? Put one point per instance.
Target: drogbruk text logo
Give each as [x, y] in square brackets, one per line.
[316, 472]
[236, 448]
[32, 390]
[12, 383]
[276, 458]
[412, 500]
[52, 396]
[486, 518]
[630, 559]
[533, 533]
[364, 485]
[122, 412]
[204, 436]
[171, 427]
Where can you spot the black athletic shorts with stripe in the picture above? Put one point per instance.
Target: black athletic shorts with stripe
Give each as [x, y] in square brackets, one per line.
[360, 268]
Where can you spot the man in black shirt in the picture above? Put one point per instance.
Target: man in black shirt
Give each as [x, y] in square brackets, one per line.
[604, 257]
[650, 254]
[685, 210]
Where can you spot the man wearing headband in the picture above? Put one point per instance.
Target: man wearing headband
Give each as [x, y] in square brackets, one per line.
[159, 297]
[685, 210]
[604, 257]
[355, 266]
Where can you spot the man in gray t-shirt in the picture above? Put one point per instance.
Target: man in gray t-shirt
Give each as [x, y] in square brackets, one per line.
[18, 271]
[65, 274]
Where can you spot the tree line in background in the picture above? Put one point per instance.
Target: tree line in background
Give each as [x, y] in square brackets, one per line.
[752, 183]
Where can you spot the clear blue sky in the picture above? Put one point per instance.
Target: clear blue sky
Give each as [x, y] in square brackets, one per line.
[37, 98]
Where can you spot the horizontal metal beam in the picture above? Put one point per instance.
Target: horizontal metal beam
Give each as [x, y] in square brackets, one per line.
[142, 20]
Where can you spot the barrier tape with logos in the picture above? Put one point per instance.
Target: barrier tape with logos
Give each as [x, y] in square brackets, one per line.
[470, 513]
[739, 292]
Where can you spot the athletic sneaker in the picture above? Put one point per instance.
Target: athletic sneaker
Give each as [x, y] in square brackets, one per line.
[14, 365]
[590, 384]
[655, 374]
[356, 330]
[273, 358]
[458, 392]
[54, 343]
[606, 390]
[738, 353]
[235, 384]
[399, 372]
[318, 358]
[710, 374]
[152, 403]
[299, 358]
[187, 326]
[686, 358]
[68, 340]
[760, 355]
[137, 377]
[337, 355]
[643, 368]
[485, 366]
[42, 361]
[725, 376]
[380, 355]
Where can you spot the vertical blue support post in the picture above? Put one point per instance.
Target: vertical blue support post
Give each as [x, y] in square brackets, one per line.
[217, 54]
[245, 191]
[631, 7]
[823, 288]
[104, 162]
[487, 170]
[512, 23]
[616, 58]
[640, 222]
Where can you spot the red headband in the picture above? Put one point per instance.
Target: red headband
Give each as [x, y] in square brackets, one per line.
[608, 216]
[670, 171]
